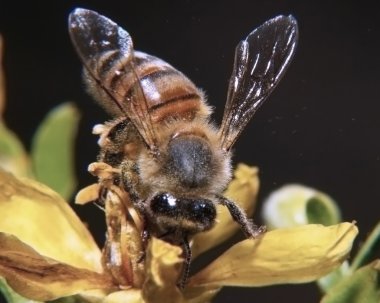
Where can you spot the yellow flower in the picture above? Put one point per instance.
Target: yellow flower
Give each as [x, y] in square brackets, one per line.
[47, 253]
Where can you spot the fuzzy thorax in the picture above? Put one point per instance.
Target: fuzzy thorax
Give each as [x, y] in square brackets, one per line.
[190, 163]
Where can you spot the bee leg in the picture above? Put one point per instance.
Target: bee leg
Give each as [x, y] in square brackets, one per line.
[145, 236]
[249, 229]
[130, 178]
[101, 202]
[186, 263]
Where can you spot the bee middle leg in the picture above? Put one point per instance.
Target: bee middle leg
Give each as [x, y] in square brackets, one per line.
[130, 178]
[249, 229]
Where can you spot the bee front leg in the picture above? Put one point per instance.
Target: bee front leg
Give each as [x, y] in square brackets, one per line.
[186, 251]
[249, 229]
[145, 237]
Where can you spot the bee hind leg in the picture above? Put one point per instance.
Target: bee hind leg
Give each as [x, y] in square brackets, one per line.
[249, 229]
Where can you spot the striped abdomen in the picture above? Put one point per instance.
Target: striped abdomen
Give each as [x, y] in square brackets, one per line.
[168, 93]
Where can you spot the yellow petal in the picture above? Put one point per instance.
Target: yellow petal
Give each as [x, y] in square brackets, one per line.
[92, 296]
[163, 264]
[125, 296]
[40, 218]
[242, 189]
[123, 250]
[38, 278]
[290, 255]
[87, 194]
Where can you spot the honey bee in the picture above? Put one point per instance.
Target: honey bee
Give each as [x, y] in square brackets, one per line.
[169, 157]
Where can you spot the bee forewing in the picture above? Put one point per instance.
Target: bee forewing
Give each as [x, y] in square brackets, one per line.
[106, 51]
[260, 62]
[93, 35]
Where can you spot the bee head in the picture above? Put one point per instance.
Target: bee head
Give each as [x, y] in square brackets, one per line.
[190, 215]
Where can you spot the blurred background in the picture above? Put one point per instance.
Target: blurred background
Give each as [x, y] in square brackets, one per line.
[319, 128]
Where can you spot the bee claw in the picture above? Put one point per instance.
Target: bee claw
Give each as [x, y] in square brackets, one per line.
[257, 231]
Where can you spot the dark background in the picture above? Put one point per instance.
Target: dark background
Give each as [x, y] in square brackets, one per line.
[320, 127]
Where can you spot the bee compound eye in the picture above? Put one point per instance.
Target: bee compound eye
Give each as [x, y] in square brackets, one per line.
[164, 204]
[203, 210]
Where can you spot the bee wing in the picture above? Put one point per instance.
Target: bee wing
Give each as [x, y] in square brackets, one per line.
[260, 62]
[106, 51]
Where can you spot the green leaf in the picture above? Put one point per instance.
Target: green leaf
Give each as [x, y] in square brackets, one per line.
[327, 282]
[367, 249]
[11, 296]
[2, 79]
[13, 157]
[53, 149]
[363, 286]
